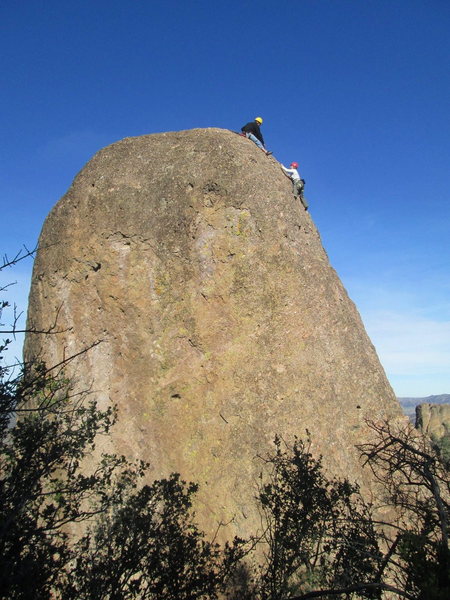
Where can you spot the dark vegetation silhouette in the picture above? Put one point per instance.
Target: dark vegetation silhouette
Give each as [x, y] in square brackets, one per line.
[132, 540]
[71, 528]
[442, 447]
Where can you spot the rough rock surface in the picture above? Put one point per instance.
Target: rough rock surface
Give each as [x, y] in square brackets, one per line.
[222, 322]
[433, 419]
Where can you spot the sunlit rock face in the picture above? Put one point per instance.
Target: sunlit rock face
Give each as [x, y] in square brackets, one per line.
[433, 419]
[220, 318]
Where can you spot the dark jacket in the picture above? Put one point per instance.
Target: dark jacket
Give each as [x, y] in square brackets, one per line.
[253, 127]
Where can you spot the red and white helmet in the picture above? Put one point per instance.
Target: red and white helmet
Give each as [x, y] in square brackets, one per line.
[294, 165]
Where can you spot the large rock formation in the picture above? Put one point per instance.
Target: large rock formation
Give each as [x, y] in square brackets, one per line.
[433, 419]
[409, 404]
[222, 322]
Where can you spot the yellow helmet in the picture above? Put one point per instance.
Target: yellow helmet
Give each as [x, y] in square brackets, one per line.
[259, 119]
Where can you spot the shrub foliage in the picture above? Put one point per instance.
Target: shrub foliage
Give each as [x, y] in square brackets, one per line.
[72, 527]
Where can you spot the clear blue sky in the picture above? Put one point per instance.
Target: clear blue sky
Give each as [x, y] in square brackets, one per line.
[356, 91]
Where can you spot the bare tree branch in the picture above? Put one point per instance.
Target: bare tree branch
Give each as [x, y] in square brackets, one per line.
[21, 255]
[358, 587]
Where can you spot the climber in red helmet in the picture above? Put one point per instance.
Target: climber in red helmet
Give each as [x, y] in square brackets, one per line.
[298, 183]
[253, 132]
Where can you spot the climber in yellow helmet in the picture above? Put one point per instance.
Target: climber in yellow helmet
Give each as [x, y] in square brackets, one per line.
[253, 132]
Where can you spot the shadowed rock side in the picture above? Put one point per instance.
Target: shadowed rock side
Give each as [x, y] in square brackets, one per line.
[222, 322]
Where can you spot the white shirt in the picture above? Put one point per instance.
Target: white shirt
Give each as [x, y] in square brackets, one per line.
[292, 173]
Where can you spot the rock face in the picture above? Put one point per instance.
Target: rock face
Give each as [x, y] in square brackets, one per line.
[221, 320]
[433, 419]
[409, 404]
